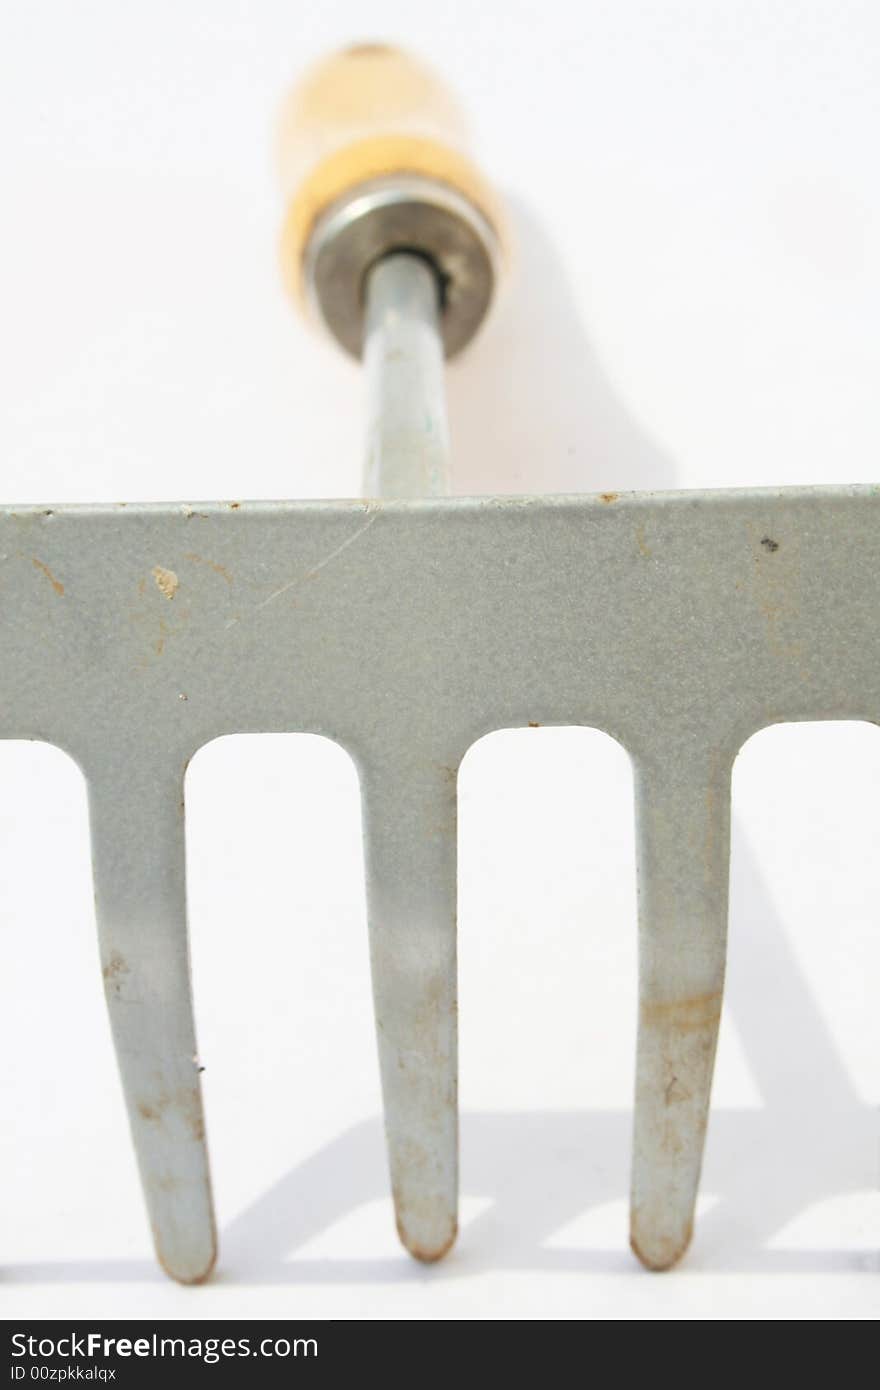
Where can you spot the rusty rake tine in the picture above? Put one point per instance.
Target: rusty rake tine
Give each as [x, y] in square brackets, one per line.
[683, 822]
[410, 849]
[140, 897]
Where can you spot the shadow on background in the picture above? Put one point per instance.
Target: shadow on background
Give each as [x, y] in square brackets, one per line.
[531, 409]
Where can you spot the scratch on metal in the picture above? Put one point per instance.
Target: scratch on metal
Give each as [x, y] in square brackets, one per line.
[310, 574]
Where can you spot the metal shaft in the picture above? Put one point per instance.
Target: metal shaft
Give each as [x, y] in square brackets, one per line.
[408, 436]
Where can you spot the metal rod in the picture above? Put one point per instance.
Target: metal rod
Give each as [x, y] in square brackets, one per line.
[408, 435]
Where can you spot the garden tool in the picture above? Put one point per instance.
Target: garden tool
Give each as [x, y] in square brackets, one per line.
[405, 626]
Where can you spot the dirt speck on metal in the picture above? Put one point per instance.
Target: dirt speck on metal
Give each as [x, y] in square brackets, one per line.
[166, 581]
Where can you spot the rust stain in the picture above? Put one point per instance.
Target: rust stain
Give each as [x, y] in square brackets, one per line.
[116, 966]
[56, 583]
[664, 1260]
[186, 1102]
[421, 1252]
[114, 972]
[413, 1159]
[644, 548]
[166, 581]
[533, 724]
[200, 1276]
[195, 1121]
[434, 1007]
[608, 496]
[676, 1092]
[234, 506]
[218, 569]
[685, 1015]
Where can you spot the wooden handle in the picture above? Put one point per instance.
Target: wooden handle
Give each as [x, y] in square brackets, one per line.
[365, 113]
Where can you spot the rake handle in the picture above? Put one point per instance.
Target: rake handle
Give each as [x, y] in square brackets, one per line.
[390, 236]
[367, 113]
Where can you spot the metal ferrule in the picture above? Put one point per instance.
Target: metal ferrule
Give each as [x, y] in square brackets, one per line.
[401, 213]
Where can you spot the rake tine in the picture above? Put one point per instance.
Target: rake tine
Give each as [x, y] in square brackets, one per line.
[410, 849]
[139, 873]
[683, 823]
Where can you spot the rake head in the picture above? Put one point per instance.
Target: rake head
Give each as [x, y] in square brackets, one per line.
[406, 627]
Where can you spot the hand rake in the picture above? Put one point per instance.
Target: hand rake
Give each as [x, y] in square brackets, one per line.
[405, 627]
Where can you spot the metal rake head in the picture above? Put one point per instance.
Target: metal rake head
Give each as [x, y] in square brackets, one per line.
[405, 627]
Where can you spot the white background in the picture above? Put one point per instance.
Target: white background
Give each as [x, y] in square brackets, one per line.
[695, 193]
